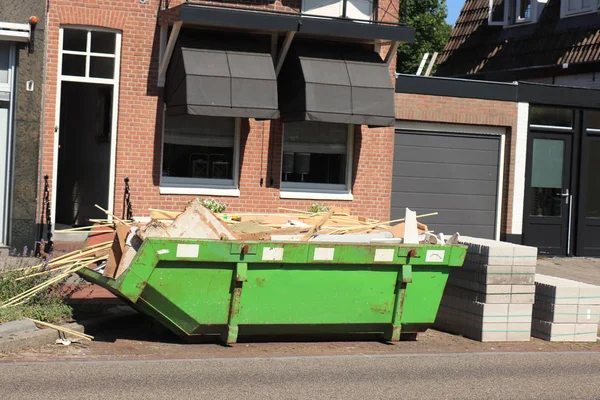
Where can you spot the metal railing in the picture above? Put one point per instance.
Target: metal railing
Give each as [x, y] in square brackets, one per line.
[127, 208]
[46, 216]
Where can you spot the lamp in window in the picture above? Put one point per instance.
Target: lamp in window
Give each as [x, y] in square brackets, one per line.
[302, 164]
[288, 165]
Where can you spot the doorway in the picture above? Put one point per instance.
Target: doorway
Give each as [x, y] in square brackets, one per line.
[548, 201]
[84, 152]
[85, 132]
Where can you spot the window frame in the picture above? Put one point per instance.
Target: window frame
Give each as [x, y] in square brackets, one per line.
[203, 186]
[370, 17]
[565, 13]
[321, 191]
[491, 22]
[116, 55]
[532, 16]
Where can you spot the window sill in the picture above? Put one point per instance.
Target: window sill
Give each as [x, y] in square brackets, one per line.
[307, 195]
[226, 192]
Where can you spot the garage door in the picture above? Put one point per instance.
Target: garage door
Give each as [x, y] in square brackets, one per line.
[453, 174]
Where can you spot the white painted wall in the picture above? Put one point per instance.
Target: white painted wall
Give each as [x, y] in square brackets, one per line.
[520, 163]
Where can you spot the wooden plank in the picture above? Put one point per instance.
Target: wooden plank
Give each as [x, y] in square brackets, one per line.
[316, 227]
[117, 251]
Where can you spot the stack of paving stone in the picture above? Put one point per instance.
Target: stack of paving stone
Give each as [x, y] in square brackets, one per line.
[491, 297]
[565, 310]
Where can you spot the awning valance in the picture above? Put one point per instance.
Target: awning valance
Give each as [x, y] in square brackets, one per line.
[225, 76]
[341, 85]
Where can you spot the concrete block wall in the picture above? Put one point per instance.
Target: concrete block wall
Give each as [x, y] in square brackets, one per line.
[565, 310]
[491, 297]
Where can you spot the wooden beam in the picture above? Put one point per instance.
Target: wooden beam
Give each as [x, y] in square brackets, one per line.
[391, 52]
[284, 50]
[431, 64]
[164, 63]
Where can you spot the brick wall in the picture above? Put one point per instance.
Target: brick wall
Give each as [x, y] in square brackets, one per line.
[455, 110]
[140, 121]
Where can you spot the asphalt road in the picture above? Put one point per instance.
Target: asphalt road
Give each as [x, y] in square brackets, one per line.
[463, 376]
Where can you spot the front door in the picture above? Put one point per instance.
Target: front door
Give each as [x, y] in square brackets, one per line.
[548, 196]
[588, 215]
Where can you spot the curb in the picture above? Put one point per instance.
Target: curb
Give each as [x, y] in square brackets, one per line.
[42, 337]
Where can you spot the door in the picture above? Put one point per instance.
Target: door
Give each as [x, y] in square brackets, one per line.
[6, 116]
[588, 215]
[454, 174]
[548, 196]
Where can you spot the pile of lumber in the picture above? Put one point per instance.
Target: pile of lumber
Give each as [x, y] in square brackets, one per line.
[198, 222]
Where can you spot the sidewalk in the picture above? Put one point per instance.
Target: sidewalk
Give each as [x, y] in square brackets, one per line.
[578, 269]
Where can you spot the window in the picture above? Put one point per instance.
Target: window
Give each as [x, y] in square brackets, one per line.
[562, 118]
[317, 159]
[593, 121]
[524, 10]
[200, 152]
[574, 7]
[355, 9]
[89, 53]
[5, 65]
[498, 12]
[511, 12]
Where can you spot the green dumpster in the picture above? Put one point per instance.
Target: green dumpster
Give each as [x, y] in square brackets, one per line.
[207, 287]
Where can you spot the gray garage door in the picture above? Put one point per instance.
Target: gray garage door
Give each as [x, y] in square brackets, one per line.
[453, 174]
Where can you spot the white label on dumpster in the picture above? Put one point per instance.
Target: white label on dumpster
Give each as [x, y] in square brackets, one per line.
[272, 254]
[322, 254]
[163, 251]
[384, 255]
[188, 250]
[435, 256]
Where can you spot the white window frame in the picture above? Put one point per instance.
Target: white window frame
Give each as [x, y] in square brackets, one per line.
[305, 12]
[491, 22]
[115, 106]
[565, 13]
[203, 186]
[322, 191]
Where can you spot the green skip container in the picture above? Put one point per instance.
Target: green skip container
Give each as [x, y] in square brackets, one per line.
[207, 287]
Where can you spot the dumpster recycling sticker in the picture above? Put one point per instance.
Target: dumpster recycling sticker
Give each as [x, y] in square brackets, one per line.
[435, 256]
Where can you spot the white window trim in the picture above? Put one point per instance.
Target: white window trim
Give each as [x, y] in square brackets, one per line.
[497, 23]
[564, 13]
[320, 191]
[308, 14]
[7, 155]
[15, 32]
[115, 111]
[88, 53]
[202, 186]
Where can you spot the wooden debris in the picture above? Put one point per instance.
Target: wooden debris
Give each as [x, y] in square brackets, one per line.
[317, 227]
[63, 329]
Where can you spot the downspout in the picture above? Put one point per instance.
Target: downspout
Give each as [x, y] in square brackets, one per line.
[42, 122]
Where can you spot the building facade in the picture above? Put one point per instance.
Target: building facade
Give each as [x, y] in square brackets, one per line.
[22, 40]
[550, 155]
[259, 106]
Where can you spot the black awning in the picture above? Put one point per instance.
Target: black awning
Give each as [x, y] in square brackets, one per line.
[225, 76]
[335, 84]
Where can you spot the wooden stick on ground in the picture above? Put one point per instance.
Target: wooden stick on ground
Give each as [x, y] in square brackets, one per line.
[62, 329]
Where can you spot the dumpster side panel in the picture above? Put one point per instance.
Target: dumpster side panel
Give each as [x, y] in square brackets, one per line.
[318, 294]
[424, 294]
[190, 293]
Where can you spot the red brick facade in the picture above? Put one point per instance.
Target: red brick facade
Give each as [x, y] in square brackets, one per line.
[455, 110]
[139, 140]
